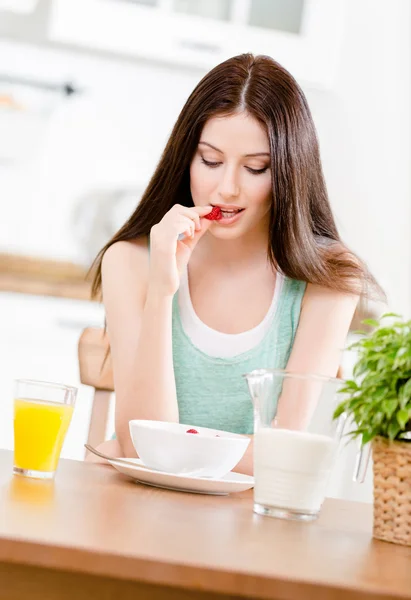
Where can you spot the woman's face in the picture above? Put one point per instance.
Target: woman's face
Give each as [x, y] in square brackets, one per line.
[231, 170]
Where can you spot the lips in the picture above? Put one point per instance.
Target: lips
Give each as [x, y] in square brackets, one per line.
[228, 218]
[228, 211]
[226, 214]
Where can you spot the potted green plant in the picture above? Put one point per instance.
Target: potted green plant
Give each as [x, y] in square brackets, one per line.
[378, 399]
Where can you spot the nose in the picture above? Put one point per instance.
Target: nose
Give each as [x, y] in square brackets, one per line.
[229, 186]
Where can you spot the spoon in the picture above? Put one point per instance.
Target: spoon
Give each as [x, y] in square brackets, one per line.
[126, 461]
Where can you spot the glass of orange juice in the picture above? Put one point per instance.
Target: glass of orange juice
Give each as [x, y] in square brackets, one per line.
[42, 415]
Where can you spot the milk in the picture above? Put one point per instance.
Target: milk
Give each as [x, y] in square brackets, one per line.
[291, 468]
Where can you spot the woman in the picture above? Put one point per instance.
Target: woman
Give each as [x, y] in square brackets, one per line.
[193, 303]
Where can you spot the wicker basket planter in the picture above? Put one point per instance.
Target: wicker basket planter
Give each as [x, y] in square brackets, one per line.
[392, 491]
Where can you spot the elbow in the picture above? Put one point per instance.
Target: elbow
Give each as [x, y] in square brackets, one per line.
[124, 438]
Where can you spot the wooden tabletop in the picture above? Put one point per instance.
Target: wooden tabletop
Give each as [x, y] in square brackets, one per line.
[43, 277]
[94, 521]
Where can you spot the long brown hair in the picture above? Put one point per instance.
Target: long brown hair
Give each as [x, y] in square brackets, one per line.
[303, 239]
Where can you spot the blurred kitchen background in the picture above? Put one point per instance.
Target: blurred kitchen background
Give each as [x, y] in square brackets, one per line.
[89, 91]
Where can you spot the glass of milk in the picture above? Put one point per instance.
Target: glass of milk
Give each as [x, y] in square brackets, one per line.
[295, 441]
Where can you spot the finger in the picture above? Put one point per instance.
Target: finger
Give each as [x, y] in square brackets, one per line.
[196, 218]
[188, 232]
[193, 215]
[205, 225]
[190, 210]
[202, 210]
[186, 226]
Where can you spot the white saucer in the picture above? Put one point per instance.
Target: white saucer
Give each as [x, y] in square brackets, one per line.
[232, 482]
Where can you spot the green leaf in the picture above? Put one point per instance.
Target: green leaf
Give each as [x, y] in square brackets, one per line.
[359, 332]
[372, 322]
[403, 417]
[393, 430]
[377, 419]
[350, 385]
[403, 350]
[360, 368]
[383, 363]
[378, 396]
[406, 389]
[367, 437]
[389, 407]
[341, 408]
[379, 393]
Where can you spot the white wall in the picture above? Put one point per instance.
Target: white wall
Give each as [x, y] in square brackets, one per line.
[365, 137]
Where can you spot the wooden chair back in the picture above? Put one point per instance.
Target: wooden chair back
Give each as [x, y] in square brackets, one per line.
[96, 371]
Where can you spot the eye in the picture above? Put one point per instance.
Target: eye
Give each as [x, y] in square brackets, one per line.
[212, 165]
[256, 171]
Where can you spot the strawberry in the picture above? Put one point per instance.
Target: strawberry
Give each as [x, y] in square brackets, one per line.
[191, 431]
[215, 214]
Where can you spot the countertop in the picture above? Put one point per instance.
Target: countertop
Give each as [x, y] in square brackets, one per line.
[30, 275]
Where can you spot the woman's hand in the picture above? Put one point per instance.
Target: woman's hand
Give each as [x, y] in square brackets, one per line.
[169, 255]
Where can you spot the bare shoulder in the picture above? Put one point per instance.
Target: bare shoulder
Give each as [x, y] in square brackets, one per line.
[125, 276]
[352, 267]
[325, 319]
[126, 254]
[125, 266]
[319, 295]
[324, 308]
[125, 258]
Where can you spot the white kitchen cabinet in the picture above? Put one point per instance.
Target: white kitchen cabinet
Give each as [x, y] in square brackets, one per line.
[38, 340]
[212, 9]
[303, 35]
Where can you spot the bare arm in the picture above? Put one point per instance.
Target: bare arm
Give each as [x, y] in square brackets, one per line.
[322, 330]
[325, 319]
[138, 293]
[139, 329]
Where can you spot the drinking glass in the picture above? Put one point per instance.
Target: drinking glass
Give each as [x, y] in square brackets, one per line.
[42, 415]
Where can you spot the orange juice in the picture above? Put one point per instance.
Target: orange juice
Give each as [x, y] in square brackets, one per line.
[39, 431]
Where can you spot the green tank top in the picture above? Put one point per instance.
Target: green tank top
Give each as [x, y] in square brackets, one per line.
[211, 392]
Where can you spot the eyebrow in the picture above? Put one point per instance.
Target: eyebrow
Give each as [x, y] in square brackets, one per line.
[246, 155]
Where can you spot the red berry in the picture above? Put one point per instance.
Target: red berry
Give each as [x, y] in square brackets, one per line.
[191, 431]
[215, 214]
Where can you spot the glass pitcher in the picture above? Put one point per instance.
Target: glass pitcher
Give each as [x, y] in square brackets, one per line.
[296, 441]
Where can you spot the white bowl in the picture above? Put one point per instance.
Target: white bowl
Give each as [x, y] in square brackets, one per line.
[168, 447]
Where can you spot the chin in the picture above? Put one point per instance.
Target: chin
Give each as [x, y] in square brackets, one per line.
[227, 233]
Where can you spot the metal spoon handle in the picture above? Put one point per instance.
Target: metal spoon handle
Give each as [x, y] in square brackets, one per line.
[106, 457]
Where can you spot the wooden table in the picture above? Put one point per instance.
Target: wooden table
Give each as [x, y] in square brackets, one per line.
[95, 534]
